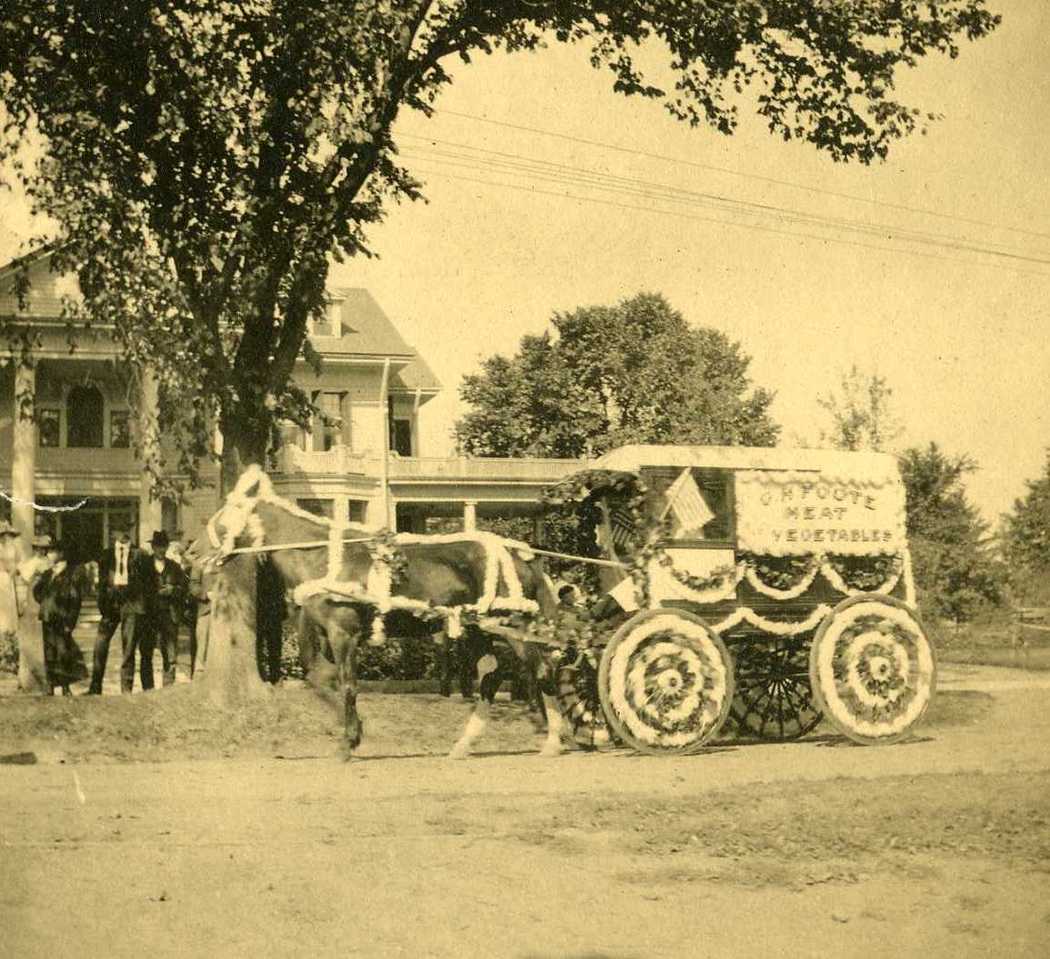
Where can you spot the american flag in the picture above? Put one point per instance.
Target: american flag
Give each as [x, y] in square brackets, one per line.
[622, 522]
[688, 507]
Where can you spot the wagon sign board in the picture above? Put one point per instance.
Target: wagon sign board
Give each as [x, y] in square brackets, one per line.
[794, 514]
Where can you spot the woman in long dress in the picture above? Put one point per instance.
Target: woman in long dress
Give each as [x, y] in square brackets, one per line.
[59, 595]
[9, 605]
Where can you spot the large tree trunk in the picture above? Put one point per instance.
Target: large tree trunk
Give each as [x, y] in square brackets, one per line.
[245, 442]
[231, 674]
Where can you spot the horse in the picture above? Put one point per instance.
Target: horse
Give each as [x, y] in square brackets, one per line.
[347, 580]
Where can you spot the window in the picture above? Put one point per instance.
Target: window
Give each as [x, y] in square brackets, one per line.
[49, 427]
[319, 507]
[356, 511]
[328, 423]
[119, 429]
[169, 516]
[84, 407]
[331, 323]
[698, 503]
[401, 437]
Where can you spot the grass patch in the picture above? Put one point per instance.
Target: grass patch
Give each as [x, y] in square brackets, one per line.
[1037, 658]
[177, 723]
[801, 834]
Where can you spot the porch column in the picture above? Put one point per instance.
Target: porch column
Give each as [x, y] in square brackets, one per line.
[32, 675]
[150, 512]
[470, 515]
[23, 454]
[341, 508]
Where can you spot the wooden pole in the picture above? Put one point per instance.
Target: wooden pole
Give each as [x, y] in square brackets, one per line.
[384, 402]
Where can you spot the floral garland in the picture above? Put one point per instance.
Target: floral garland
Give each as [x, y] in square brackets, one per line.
[700, 584]
[781, 574]
[867, 574]
[777, 628]
[563, 629]
[385, 552]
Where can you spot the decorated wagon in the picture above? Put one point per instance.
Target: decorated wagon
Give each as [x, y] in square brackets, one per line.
[772, 586]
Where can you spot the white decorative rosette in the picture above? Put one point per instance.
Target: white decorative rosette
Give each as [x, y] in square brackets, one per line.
[666, 682]
[873, 669]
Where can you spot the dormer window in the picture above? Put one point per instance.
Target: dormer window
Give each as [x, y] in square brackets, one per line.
[331, 323]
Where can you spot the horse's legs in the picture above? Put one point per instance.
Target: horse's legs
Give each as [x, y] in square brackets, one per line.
[307, 642]
[343, 629]
[354, 725]
[444, 652]
[479, 714]
[552, 745]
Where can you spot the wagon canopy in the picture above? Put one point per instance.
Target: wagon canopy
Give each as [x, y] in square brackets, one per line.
[764, 501]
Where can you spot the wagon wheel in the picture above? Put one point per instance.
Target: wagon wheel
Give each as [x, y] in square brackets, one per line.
[666, 682]
[576, 693]
[774, 698]
[873, 669]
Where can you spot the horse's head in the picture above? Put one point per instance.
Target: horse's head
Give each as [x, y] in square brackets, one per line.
[237, 523]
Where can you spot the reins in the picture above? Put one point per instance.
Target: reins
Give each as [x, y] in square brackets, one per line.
[313, 544]
[275, 547]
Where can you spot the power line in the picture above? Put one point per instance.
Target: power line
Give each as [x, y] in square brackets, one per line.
[516, 164]
[692, 195]
[723, 222]
[750, 176]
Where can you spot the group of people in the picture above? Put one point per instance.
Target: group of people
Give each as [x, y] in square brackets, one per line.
[146, 594]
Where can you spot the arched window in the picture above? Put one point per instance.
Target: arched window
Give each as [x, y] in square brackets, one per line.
[84, 410]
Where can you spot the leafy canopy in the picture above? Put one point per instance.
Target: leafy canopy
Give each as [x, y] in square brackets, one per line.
[861, 413]
[1026, 538]
[607, 376]
[955, 567]
[204, 159]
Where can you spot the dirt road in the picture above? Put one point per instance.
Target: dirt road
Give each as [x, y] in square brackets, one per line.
[937, 847]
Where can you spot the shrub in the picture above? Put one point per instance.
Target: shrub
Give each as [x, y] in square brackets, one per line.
[410, 657]
[9, 653]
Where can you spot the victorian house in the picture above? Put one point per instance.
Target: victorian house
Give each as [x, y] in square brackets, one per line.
[362, 462]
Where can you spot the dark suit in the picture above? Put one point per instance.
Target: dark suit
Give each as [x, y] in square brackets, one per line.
[165, 596]
[270, 613]
[121, 606]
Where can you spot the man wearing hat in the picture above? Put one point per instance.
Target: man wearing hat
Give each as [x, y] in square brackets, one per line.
[165, 592]
[120, 603]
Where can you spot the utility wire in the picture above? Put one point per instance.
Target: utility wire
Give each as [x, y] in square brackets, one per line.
[724, 222]
[516, 164]
[750, 176]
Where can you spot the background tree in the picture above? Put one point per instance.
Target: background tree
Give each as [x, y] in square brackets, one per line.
[861, 413]
[203, 160]
[603, 377]
[606, 376]
[956, 570]
[1026, 540]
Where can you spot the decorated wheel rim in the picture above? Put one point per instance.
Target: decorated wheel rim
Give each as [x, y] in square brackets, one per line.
[576, 693]
[665, 682]
[773, 694]
[873, 670]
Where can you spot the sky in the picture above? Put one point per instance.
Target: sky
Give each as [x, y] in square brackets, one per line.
[958, 336]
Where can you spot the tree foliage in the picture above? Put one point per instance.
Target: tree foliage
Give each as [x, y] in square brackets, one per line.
[861, 413]
[1026, 539]
[203, 159]
[606, 376]
[955, 567]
